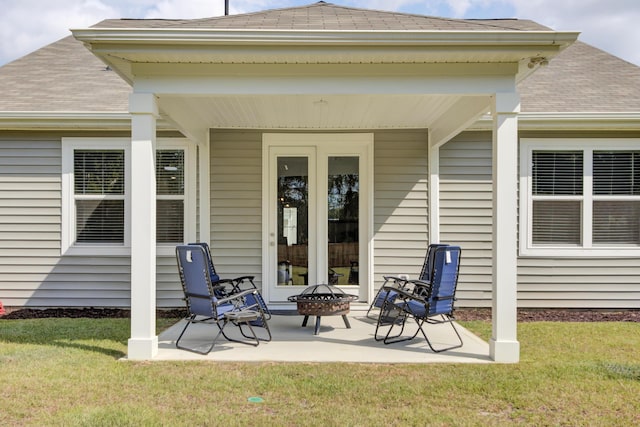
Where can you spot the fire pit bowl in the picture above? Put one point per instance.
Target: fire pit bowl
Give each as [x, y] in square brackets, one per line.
[323, 300]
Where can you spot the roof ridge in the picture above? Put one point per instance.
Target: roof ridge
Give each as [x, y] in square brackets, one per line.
[186, 22]
[440, 18]
[258, 12]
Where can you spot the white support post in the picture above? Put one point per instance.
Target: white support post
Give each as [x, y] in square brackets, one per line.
[205, 187]
[434, 192]
[504, 346]
[143, 343]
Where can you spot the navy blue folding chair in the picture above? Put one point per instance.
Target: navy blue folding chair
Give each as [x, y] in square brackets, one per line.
[426, 302]
[227, 287]
[205, 306]
[387, 290]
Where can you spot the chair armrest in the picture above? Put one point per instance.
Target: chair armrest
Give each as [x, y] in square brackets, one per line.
[395, 278]
[236, 296]
[222, 282]
[243, 278]
[442, 298]
[397, 281]
[421, 287]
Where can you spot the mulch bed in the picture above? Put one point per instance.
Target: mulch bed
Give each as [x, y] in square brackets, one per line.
[524, 315]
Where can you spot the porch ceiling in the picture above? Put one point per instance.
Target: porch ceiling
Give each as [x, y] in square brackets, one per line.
[308, 111]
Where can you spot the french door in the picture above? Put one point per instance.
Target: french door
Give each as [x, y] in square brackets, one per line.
[317, 214]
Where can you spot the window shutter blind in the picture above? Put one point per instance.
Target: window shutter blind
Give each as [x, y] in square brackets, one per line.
[557, 222]
[170, 221]
[616, 173]
[99, 173]
[170, 193]
[100, 221]
[557, 173]
[616, 222]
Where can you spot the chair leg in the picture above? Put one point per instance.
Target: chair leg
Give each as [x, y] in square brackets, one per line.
[254, 335]
[190, 321]
[259, 321]
[373, 303]
[443, 321]
[392, 316]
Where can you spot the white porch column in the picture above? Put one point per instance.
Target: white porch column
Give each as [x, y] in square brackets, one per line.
[434, 192]
[504, 346]
[143, 343]
[204, 169]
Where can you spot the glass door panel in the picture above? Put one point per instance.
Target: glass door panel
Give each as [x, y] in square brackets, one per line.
[318, 213]
[293, 220]
[343, 213]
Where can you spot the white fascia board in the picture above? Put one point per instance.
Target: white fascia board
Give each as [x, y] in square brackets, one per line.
[307, 37]
[47, 120]
[570, 121]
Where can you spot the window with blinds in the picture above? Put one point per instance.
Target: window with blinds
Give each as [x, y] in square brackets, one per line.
[99, 191]
[557, 177]
[597, 189]
[170, 196]
[616, 174]
[99, 195]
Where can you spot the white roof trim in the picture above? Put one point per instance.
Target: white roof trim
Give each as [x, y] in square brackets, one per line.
[339, 37]
[44, 120]
[570, 121]
[47, 120]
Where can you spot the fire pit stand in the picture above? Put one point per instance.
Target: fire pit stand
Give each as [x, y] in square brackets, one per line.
[323, 300]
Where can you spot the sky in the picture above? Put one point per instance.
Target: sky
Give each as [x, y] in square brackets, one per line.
[611, 25]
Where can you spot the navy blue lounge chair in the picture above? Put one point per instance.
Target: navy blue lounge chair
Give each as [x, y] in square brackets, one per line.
[227, 287]
[393, 282]
[204, 305]
[426, 302]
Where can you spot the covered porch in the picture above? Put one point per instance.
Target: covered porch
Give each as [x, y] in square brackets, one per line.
[334, 343]
[330, 82]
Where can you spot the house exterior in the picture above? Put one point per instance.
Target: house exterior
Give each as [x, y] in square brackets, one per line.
[320, 144]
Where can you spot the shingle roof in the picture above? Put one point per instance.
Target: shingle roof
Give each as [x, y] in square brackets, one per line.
[327, 16]
[585, 79]
[65, 76]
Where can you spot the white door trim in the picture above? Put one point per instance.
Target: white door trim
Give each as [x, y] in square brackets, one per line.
[325, 145]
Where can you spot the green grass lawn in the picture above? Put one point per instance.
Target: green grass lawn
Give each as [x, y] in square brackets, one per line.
[66, 372]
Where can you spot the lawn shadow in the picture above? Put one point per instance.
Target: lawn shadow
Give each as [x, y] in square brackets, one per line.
[74, 333]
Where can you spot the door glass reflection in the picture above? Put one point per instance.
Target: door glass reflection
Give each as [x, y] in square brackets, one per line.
[343, 215]
[293, 220]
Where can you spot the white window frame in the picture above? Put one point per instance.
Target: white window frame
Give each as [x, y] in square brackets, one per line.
[68, 226]
[587, 146]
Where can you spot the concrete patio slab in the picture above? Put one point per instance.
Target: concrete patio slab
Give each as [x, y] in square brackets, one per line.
[334, 343]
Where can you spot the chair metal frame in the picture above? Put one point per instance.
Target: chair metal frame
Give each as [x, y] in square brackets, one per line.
[205, 306]
[426, 302]
[228, 287]
[395, 282]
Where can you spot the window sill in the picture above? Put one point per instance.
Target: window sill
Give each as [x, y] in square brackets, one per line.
[555, 252]
[115, 251]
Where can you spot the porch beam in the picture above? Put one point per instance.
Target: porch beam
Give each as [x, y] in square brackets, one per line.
[464, 112]
[143, 343]
[313, 84]
[503, 344]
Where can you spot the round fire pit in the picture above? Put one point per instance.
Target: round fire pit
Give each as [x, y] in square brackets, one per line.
[323, 300]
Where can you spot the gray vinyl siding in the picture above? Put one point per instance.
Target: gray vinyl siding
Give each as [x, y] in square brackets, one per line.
[33, 273]
[236, 203]
[466, 219]
[563, 282]
[466, 212]
[401, 227]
